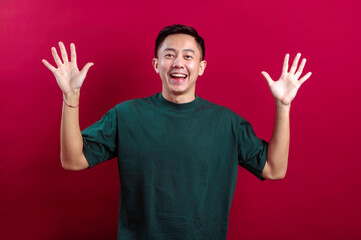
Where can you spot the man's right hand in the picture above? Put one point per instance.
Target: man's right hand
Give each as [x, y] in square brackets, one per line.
[70, 80]
[68, 76]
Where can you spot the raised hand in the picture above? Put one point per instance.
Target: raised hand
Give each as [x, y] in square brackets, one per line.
[68, 76]
[285, 89]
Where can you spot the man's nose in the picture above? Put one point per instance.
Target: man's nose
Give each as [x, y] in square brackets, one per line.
[178, 62]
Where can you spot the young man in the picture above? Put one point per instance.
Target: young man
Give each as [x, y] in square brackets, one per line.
[178, 154]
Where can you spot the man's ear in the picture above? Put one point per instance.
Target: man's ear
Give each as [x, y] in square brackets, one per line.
[202, 67]
[155, 64]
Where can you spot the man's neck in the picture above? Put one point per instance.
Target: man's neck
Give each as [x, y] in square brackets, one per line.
[182, 98]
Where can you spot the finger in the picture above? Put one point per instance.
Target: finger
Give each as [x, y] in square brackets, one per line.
[86, 68]
[48, 65]
[72, 53]
[295, 63]
[304, 78]
[64, 55]
[267, 77]
[285, 64]
[300, 69]
[56, 57]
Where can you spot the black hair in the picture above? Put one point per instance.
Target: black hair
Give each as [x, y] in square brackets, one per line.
[178, 29]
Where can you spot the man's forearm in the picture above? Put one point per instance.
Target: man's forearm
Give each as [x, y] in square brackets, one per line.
[278, 148]
[71, 140]
[284, 91]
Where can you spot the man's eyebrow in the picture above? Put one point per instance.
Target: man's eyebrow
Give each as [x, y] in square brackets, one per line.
[184, 50]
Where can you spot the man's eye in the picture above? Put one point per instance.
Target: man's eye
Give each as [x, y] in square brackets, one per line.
[169, 55]
[188, 56]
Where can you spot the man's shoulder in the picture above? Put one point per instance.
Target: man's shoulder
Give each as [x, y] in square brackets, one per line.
[221, 110]
[131, 103]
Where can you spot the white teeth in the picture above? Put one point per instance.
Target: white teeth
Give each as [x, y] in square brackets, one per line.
[178, 75]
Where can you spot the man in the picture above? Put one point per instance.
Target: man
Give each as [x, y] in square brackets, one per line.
[178, 154]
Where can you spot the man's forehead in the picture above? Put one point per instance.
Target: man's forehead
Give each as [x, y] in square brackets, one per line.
[182, 42]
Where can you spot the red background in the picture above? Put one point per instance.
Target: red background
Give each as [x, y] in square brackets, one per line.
[318, 199]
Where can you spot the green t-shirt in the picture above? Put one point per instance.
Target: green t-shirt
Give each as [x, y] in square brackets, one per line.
[177, 163]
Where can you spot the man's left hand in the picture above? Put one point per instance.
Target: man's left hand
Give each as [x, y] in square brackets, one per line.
[285, 89]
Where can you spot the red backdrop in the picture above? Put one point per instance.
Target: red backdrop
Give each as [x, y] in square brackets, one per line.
[318, 199]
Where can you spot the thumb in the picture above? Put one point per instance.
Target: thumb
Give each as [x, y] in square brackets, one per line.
[267, 77]
[86, 68]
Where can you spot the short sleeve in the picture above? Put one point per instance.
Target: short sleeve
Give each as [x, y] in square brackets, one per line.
[252, 151]
[100, 139]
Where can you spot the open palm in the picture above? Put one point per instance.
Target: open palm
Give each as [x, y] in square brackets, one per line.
[285, 89]
[68, 76]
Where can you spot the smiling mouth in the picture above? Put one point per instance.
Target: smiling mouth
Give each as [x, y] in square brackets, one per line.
[178, 76]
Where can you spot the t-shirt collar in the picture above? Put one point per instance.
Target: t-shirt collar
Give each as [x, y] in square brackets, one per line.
[177, 106]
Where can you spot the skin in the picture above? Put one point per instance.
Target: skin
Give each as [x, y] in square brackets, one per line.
[284, 91]
[70, 80]
[179, 53]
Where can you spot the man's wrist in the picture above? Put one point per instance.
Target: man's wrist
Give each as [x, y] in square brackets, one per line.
[282, 107]
[71, 98]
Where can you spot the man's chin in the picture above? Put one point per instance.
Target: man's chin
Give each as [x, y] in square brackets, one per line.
[178, 91]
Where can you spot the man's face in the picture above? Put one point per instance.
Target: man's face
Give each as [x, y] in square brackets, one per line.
[179, 64]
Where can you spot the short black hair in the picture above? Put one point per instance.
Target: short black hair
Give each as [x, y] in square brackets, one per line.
[178, 29]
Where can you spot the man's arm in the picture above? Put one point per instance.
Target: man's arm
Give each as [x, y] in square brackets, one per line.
[277, 157]
[71, 141]
[284, 91]
[70, 79]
